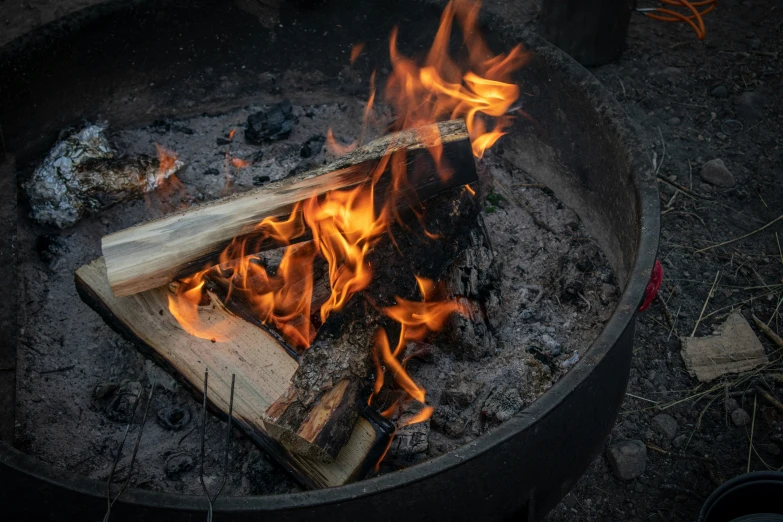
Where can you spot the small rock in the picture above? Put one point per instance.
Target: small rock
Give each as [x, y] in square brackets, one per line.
[715, 173]
[628, 459]
[179, 463]
[674, 121]
[773, 449]
[730, 404]
[740, 417]
[527, 314]
[679, 441]
[665, 425]
[720, 92]
[570, 501]
[270, 125]
[173, 417]
[503, 402]
[749, 107]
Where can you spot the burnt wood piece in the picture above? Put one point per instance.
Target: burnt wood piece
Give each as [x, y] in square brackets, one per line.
[154, 253]
[263, 368]
[592, 31]
[335, 372]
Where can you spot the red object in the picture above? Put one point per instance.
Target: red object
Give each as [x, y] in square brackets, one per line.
[652, 286]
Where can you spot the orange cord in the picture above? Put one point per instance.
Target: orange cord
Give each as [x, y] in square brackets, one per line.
[674, 16]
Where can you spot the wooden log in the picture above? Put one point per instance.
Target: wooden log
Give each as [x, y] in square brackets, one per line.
[264, 371]
[154, 253]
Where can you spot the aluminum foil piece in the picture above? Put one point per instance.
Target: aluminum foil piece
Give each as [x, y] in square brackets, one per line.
[83, 174]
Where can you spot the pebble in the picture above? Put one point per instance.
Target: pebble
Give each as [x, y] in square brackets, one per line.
[674, 121]
[720, 92]
[664, 425]
[740, 417]
[628, 459]
[715, 173]
[730, 404]
[679, 441]
[749, 107]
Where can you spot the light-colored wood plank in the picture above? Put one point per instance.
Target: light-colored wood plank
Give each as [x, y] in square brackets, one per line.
[263, 370]
[154, 253]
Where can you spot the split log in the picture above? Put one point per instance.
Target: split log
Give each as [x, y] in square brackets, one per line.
[154, 253]
[264, 372]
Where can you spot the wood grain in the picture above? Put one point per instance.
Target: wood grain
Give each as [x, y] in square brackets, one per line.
[262, 366]
[152, 254]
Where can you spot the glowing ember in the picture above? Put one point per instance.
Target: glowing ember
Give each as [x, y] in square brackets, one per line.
[346, 224]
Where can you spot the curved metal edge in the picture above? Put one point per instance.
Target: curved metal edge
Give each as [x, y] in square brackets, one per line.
[622, 318]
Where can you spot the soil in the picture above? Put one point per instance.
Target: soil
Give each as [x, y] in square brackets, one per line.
[669, 82]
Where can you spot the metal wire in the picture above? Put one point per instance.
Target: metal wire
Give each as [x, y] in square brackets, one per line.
[211, 499]
[109, 501]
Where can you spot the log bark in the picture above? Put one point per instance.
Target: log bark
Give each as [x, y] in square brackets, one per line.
[264, 372]
[154, 253]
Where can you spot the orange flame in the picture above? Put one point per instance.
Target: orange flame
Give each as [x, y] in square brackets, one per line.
[356, 50]
[346, 224]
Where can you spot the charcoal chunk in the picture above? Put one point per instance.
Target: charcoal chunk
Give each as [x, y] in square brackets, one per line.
[503, 402]
[273, 124]
[312, 146]
[260, 180]
[49, 248]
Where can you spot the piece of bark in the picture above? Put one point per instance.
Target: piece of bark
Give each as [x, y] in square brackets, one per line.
[735, 350]
[154, 253]
[472, 279]
[264, 371]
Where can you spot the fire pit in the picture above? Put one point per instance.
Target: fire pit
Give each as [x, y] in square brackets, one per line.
[131, 64]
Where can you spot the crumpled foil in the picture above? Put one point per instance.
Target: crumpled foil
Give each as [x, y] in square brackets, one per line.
[83, 174]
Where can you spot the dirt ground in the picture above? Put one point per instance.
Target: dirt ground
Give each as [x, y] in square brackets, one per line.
[691, 98]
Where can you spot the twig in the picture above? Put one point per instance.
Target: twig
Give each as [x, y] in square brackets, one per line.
[211, 499]
[589, 306]
[780, 217]
[752, 428]
[684, 190]
[679, 455]
[767, 331]
[780, 251]
[666, 313]
[709, 294]
[769, 398]
[640, 398]
[663, 153]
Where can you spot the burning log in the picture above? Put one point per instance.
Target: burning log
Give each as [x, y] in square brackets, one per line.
[264, 372]
[83, 174]
[152, 254]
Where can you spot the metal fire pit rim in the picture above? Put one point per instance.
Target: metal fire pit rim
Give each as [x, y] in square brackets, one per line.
[621, 319]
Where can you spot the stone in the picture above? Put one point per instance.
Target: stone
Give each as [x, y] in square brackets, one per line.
[179, 463]
[674, 121]
[716, 173]
[680, 441]
[665, 425]
[627, 459]
[720, 92]
[740, 417]
[749, 107]
[312, 146]
[730, 404]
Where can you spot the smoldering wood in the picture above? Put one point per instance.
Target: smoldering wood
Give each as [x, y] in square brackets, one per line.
[152, 254]
[263, 368]
[335, 372]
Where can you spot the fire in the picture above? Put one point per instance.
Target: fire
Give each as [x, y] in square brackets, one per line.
[346, 224]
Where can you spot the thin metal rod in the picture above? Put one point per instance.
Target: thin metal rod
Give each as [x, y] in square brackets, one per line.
[203, 437]
[109, 500]
[228, 442]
